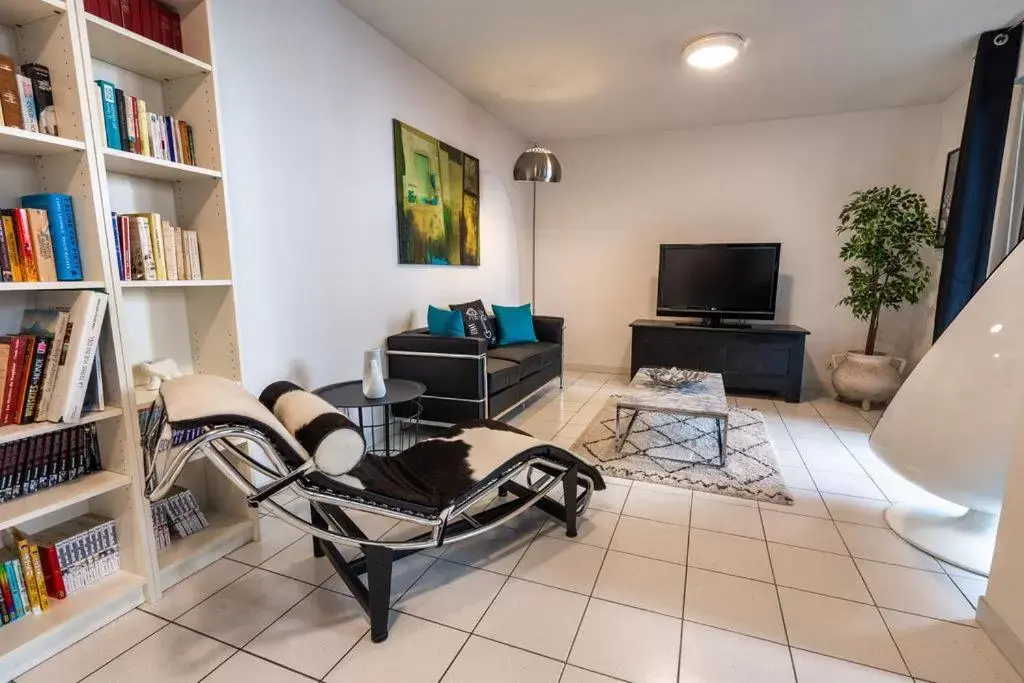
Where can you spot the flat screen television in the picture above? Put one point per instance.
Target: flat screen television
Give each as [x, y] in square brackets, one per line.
[716, 281]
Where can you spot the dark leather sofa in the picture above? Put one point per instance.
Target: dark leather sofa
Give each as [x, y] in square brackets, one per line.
[466, 380]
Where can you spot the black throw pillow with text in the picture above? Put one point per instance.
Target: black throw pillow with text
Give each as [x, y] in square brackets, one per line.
[477, 324]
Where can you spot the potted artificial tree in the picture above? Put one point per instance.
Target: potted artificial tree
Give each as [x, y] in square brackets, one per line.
[885, 229]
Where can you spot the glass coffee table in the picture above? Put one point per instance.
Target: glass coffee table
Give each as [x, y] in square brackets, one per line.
[704, 398]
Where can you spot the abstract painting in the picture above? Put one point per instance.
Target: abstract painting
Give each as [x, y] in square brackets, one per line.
[438, 198]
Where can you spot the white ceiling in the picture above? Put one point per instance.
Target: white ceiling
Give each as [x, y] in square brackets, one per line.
[555, 69]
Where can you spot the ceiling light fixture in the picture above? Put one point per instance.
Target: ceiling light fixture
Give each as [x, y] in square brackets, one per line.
[713, 51]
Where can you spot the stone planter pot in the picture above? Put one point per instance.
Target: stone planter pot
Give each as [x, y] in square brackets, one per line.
[866, 379]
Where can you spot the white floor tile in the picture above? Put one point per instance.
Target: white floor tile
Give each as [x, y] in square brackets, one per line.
[730, 554]
[856, 510]
[485, 660]
[92, 652]
[314, 635]
[642, 582]
[789, 457]
[724, 500]
[374, 526]
[497, 551]
[815, 668]
[275, 536]
[729, 519]
[611, 499]
[593, 528]
[662, 504]
[818, 572]
[534, 617]
[651, 539]
[159, 659]
[882, 545]
[839, 628]
[973, 588]
[805, 532]
[735, 604]
[404, 573]
[796, 477]
[806, 503]
[244, 667]
[561, 564]
[943, 652]
[714, 656]
[574, 674]
[542, 429]
[239, 612]
[957, 571]
[452, 594]
[186, 594]
[912, 590]
[652, 653]
[416, 651]
[859, 485]
[297, 562]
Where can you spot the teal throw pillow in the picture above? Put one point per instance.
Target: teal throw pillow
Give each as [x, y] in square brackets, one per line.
[515, 324]
[445, 323]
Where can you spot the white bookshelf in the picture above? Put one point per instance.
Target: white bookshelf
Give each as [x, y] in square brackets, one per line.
[191, 321]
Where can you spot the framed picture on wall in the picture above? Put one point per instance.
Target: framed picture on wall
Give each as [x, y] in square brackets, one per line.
[948, 184]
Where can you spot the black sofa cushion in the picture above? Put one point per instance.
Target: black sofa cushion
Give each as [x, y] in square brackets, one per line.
[531, 357]
[501, 374]
[477, 322]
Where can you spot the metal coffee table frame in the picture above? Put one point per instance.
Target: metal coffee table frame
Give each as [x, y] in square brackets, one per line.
[626, 402]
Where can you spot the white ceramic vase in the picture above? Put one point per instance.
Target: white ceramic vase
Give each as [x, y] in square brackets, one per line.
[866, 379]
[373, 375]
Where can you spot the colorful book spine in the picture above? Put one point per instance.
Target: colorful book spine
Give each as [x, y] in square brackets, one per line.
[143, 123]
[15, 370]
[87, 315]
[25, 555]
[110, 124]
[11, 244]
[37, 575]
[8, 596]
[42, 244]
[117, 246]
[5, 259]
[10, 103]
[42, 91]
[35, 379]
[57, 346]
[130, 119]
[29, 118]
[19, 578]
[63, 232]
[23, 234]
[122, 120]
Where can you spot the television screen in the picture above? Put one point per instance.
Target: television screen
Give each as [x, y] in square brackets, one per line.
[719, 280]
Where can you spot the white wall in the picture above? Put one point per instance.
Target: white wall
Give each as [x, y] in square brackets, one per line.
[307, 94]
[785, 180]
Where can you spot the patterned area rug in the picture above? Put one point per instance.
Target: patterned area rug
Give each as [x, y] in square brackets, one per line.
[678, 450]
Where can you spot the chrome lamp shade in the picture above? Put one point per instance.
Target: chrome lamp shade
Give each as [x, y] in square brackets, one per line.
[538, 165]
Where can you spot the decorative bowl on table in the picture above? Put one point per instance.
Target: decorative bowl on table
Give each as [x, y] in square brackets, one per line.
[675, 378]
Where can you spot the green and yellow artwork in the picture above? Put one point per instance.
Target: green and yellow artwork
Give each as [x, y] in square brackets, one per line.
[438, 199]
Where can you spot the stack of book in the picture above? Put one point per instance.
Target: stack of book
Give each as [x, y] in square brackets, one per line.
[40, 240]
[50, 370]
[39, 462]
[26, 98]
[148, 18]
[176, 516]
[152, 249]
[130, 127]
[55, 563]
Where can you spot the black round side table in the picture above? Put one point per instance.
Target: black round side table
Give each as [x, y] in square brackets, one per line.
[390, 424]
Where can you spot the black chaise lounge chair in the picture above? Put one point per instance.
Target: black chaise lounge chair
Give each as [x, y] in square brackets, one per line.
[442, 484]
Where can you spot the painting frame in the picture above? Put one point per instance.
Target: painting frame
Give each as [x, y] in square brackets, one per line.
[946, 198]
[437, 200]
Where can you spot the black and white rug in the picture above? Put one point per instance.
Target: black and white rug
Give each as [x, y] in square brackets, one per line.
[679, 450]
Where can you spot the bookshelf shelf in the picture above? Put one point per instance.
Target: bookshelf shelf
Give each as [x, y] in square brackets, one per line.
[50, 286]
[21, 12]
[15, 432]
[27, 143]
[165, 284]
[36, 637]
[153, 168]
[112, 44]
[188, 555]
[42, 503]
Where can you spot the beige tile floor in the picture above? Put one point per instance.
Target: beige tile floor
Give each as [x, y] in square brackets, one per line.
[660, 585]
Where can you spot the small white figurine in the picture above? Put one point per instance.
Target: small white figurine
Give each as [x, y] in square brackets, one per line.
[157, 371]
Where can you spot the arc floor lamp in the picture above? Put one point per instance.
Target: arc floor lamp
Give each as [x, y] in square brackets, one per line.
[536, 165]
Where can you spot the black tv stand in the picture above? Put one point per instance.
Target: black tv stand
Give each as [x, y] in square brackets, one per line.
[753, 359]
[715, 322]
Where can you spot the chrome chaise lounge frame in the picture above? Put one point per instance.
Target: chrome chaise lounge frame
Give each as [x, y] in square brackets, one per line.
[330, 526]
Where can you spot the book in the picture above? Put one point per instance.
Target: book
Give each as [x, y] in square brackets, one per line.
[39, 462]
[128, 18]
[21, 391]
[124, 235]
[114, 12]
[13, 378]
[122, 120]
[130, 122]
[23, 235]
[60, 331]
[10, 103]
[37, 575]
[143, 123]
[5, 259]
[34, 378]
[27, 101]
[5, 355]
[170, 252]
[60, 212]
[179, 254]
[21, 548]
[156, 242]
[194, 266]
[192, 146]
[143, 260]
[11, 245]
[8, 597]
[73, 375]
[118, 254]
[42, 245]
[94, 399]
[110, 121]
[176, 41]
[186, 157]
[42, 91]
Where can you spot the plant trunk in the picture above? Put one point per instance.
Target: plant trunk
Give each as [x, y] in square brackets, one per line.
[869, 347]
